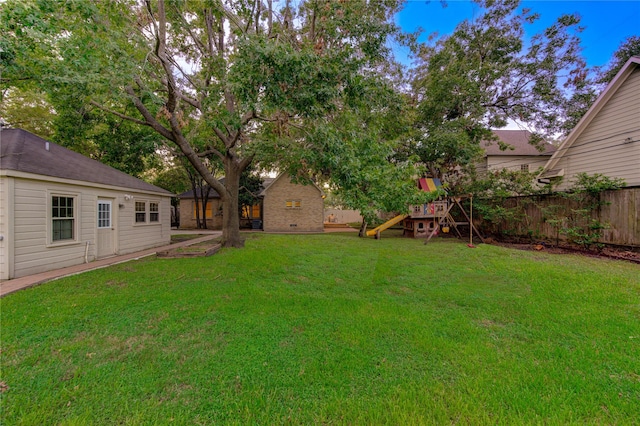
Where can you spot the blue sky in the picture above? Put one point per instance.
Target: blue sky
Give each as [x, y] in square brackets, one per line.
[607, 23]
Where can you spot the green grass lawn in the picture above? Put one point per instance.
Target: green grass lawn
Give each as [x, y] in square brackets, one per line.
[329, 329]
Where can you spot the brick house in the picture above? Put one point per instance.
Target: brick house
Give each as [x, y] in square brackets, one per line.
[283, 206]
[188, 209]
[291, 207]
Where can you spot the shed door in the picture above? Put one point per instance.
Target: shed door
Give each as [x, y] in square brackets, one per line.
[106, 229]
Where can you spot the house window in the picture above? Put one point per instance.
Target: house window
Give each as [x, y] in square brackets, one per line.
[251, 212]
[293, 204]
[524, 168]
[62, 218]
[141, 212]
[208, 213]
[104, 214]
[154, 212]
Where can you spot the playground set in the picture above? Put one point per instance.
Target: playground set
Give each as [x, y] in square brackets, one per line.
[429, 219]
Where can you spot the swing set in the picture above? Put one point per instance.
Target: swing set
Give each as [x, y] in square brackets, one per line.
[429, 219]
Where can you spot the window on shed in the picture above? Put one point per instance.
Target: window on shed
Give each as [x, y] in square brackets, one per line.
[524, 168]
[62, 218]
[141, 212]
[154, 212]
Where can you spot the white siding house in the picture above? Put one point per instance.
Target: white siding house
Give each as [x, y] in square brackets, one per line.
[519, 156]
[607, 138]
[59, 208]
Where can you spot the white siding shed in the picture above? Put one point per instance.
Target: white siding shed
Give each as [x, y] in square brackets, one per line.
[59, 208]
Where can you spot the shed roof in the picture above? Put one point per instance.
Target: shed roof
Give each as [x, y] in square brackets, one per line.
[25, 152]
[519, 140]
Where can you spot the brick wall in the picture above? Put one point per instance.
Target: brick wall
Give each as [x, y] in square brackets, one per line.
[290, 207]
[187, 218]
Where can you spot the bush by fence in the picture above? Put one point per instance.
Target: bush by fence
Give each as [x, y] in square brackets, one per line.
[615, 220]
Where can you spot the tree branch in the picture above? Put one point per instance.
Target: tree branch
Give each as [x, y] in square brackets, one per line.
[118, 114]
[150, 119]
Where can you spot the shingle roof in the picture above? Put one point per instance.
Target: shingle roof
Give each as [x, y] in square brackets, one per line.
[25, 152]
[519, 140]
[214, 194]
[189, 194]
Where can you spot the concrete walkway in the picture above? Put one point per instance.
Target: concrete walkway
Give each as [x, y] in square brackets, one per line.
[16, 284]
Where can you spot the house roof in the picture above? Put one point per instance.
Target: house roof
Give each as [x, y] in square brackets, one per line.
[519, 140]
[199, 191]
[268, 183]
[550, 169]
[23, 151]
[214, 194]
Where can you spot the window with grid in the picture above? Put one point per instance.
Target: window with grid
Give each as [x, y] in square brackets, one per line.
[293, 204]
[141, 212]
[104, 214]
[62, 218]
[524, 167]
[154, 212]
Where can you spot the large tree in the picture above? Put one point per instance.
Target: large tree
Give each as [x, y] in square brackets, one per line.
[212, 77]
[485, 75]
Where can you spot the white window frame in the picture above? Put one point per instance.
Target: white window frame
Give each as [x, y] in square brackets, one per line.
[101, 224]
[51, 219]
[147, 212]
[152, 212]
[136, 212]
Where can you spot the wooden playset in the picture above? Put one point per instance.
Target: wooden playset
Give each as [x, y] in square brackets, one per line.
[429, 219]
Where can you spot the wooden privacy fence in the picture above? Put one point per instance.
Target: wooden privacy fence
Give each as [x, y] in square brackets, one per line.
[621, 213]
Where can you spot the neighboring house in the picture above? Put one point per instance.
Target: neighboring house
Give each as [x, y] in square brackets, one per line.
[607, 139]
[188, 209]
[291, 207]
[59, 208]
[520, 156]
[251, 217]
[282, 206]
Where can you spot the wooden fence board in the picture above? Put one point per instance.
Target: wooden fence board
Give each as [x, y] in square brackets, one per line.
[621, 213]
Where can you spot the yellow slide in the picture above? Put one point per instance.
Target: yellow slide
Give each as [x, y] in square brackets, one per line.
[388, 224]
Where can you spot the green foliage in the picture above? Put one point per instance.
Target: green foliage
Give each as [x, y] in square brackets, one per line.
[213, 79]
[328, 329]
[628, 48]
[493, 196]
[581, 227]
[27, 109]
[505, 196]
[483, 75]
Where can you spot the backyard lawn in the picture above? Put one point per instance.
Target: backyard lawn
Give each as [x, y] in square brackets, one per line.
[328, 329]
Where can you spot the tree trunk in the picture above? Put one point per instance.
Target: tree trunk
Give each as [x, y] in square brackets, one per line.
[230, 218]
[363, 229]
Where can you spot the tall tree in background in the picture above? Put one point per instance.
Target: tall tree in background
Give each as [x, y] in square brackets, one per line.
[210, 77]
[484, 75]
[628, 48]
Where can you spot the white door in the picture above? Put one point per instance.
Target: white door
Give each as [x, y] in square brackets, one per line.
[106, 231]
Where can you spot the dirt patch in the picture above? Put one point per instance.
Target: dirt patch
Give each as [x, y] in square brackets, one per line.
[606, 252]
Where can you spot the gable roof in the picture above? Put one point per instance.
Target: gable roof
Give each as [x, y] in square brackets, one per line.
[199, 191]
[214, 194]
[519, 140]
[268, 183]
[23, 151]
[591, 113]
